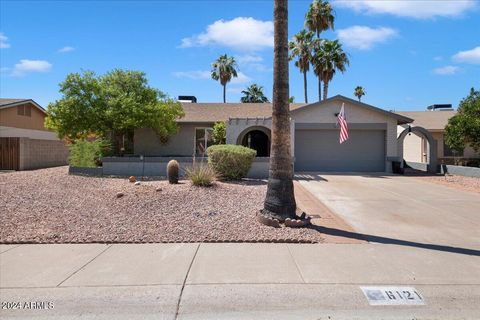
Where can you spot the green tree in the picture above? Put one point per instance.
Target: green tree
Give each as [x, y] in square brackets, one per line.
[117, 102]
[219, 134]
[280, 200]
[464, 127]
[319, 18]
[301, 48]
[253, 94]
[291, 99]
[332, 57]
[223, 69]
[359, 92]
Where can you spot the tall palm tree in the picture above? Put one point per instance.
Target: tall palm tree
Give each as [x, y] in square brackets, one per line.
[253, 94]
[223, 69]
[280, 200]
[301, 48]
[319, 18]
[332, 57]
[359, 92]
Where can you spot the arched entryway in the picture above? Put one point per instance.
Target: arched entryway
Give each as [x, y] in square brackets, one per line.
[257, 138]
[432, 163]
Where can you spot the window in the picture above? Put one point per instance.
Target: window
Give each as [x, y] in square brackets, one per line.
[447, 152]
[24, 110]
[203, 140]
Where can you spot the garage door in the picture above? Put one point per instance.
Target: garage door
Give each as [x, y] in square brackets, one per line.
[319, 150]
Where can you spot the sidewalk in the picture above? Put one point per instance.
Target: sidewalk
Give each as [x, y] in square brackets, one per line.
[234, 281]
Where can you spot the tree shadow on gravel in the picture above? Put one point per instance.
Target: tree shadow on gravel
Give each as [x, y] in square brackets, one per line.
[386, 240]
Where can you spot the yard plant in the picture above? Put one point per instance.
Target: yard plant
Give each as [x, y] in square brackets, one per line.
[230, 162]
[201, 174]
[85, 153]
[464, 128]
[172, 171]
[110, 105]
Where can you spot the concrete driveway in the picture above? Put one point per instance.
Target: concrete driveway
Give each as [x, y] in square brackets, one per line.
[396, 209]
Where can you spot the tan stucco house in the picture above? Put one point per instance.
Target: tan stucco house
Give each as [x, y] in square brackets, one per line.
[25, 143]
[416, 146]
[372, 146]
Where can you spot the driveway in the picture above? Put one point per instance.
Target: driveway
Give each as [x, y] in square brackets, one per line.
[391, 208]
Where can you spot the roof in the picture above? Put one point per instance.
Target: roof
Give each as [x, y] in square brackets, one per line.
[213, 112]
[8, 103]
[430, 120]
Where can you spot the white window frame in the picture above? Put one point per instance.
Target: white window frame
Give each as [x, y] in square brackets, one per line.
[204, 137]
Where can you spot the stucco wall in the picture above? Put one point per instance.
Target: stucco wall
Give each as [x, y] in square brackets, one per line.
[147, 143]
[10, 118]
[413, 146]
[355, 114]
[36, 153]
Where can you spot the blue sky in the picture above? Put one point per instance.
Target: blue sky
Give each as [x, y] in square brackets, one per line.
[406, 54]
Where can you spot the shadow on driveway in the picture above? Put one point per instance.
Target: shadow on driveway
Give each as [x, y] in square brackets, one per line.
[385, 240]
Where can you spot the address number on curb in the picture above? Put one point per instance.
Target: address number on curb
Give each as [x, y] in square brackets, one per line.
[391, 296]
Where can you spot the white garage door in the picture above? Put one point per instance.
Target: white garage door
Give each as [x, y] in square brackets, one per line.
[319, 150]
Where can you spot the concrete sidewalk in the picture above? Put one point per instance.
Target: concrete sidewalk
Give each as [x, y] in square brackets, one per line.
[235, 281]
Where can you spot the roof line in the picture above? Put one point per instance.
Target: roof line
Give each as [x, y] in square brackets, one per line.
[13, 104]
[400, 118]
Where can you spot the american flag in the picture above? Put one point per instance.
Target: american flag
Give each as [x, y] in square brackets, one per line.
[342, 121]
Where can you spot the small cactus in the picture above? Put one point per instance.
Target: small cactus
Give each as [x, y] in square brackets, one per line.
[172, 171]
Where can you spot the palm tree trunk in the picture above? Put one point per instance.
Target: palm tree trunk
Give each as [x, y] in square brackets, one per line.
[325, 90]
[319, 89]
[305, 86]
[224, 93]
[280, 199]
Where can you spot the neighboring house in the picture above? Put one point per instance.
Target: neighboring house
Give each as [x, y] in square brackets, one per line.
[372, 146]
[25, 143]
[416, 146]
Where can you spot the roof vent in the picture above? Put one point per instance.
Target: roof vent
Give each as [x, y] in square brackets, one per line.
[188, 99]
[440, 107]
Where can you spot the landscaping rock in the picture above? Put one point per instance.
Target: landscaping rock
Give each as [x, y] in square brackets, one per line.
[120, 194]
[158, 189]
[137, 183]
[79, 209]
[132, 179]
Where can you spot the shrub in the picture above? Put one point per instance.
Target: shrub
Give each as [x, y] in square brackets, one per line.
[219, 134]
[85, 153]
[172, 171]
[201, 175]
[230, 161]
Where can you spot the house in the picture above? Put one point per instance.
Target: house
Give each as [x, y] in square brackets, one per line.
[372, 146]
[25, 143]
[416, 146]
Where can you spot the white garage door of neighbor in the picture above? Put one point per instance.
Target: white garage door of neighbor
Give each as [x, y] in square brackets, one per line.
[319, 150]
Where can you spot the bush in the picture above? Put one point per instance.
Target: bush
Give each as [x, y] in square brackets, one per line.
[201, 175]
[85, 153]
[219, 134]
[172, 171]
[230, 161]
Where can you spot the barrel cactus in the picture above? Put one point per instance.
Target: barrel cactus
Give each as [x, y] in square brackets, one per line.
[172, 171]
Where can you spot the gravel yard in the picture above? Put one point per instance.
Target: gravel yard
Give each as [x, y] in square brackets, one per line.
[471, 184]
[50, 206]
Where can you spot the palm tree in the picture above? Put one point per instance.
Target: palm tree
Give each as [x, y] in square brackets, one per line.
[319, 18]
[253, 94]
[280, 200]
[332, 58]
[223, 69]
[301, 48]
[359, 92]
